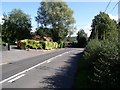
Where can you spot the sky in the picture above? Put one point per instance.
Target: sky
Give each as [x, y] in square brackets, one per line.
[84, 12]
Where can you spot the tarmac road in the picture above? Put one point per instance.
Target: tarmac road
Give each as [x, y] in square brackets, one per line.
[51, 70]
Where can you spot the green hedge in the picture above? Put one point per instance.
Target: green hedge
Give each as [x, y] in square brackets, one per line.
[61, 44]
[104, 63]
[51, 45]
[34, 44]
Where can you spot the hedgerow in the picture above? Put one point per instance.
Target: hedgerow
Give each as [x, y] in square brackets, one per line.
[104, 63]
[35, 44]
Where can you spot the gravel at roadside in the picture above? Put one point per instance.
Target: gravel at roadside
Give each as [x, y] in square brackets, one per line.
[16, 55]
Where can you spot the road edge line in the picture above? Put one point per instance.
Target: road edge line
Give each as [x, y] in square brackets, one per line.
[24, 71]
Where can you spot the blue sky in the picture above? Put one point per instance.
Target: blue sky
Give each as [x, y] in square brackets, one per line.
[83, 11]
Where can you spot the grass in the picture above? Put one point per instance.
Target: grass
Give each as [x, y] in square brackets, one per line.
[81, 80]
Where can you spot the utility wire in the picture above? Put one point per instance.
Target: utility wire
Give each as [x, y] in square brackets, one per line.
[107, 5]
[115, 5]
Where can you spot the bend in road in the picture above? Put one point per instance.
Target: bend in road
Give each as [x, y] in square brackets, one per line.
[16, 67]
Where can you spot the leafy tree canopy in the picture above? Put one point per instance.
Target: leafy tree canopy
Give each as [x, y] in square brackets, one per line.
[81, 38]
[57, 16]
[103, 27]
[16, 26]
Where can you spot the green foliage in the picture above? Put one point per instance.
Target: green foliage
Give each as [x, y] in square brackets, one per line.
[0, 30]
[50, 45]
[74, 44]
[103, 60]
[16, 26]
[81, 38]
[43, 31]
[57, 16]
[102, 53]
[81, 79]
[34, 44]
[24, 43]
[92, 49]
[31, 44]
[60, 44]
[103, 27]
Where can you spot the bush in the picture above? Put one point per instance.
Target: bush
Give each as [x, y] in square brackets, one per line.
[74, 44]
[92, 49]
[24, 44]
[60, 44]
[56, 44]
[46, 45]
[106, 67]
[35, 44]
[50, 45]
[103, 59]
[82, 42]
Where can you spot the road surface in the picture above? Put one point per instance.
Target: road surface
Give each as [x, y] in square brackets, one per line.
[51, 70]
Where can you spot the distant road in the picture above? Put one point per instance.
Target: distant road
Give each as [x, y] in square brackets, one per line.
[51, 70]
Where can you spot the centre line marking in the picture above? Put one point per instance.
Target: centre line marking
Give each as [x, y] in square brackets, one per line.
[47, 61]
[14, 79]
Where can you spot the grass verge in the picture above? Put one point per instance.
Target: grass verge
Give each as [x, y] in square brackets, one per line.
[82, 80]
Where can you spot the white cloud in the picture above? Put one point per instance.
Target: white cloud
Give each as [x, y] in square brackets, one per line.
[1, 22]
[115, 17]
[86, 28]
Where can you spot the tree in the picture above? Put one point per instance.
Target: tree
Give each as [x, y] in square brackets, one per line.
[57, 16]
[0, 31]
[71, 30]
[16, 26]
[102, 52]
[43, 31]
[103, 27]
[81, 38]
[119, 25]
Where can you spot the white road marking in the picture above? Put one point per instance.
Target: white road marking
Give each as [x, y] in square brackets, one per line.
[21, 72]
[3, 64]
[47, 61]
[14, 79]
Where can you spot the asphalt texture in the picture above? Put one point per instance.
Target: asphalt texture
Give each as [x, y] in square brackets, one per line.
[16, 54]
[59, 72]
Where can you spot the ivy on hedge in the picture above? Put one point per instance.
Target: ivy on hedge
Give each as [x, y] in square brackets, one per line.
[35, 44]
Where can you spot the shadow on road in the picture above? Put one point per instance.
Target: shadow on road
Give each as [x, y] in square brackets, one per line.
[65, 76]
